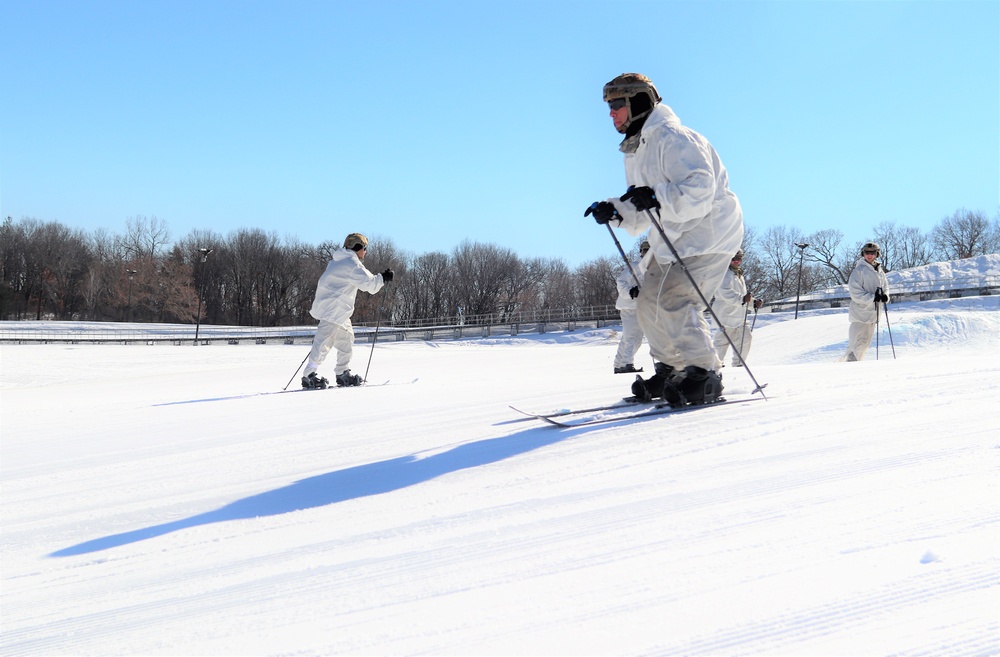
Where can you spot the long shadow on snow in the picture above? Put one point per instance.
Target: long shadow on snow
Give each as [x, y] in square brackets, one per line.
[342, 485]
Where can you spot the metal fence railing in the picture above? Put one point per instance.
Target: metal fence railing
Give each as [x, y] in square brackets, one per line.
[454, 327]
[446, 328]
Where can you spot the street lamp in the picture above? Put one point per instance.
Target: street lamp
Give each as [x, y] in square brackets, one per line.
[128, 306]
[204, 258]
[802, 251]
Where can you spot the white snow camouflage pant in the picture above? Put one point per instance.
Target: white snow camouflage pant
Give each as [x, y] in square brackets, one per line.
[330, 335]
[671, 313]
[631, 340]
[741, 337]
[859, 338]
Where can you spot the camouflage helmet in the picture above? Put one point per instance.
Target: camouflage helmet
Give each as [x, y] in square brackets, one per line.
[739, 255]
[643, 247]
[355, 242]
[871, 246]
[639, 93]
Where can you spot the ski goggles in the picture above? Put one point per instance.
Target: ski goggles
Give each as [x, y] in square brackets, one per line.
[617, 104]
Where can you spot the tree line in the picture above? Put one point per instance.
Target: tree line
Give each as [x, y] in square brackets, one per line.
[252, 278]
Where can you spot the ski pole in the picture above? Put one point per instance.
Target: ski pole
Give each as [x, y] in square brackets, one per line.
[624, 257]
[656, 223]
[885, 307]
[378, 322]
[743, 336]
[754, 322]
[296, 372]
[876, 327]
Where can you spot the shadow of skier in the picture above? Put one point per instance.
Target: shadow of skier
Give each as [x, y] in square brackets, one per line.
[342, 485]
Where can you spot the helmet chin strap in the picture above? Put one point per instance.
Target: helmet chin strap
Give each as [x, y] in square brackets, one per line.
[623, 128]
[646, 104]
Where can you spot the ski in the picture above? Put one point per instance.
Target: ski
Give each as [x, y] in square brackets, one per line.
[625, 403]
[651, 410]
[250, 395]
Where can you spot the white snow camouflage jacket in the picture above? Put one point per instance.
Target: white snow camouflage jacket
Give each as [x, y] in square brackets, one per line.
[626, 282]
[728, 304]
[339, 285]
[698, 213]
[864, 280]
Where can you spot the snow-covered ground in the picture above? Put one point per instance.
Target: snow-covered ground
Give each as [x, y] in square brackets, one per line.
[153, 503]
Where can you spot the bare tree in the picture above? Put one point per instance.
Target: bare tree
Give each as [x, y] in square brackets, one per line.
[52, 267]
[826, 248]
[208, 275]
[69, 260]
[912, 248]
[966, 234]
[483, 273]
[145, 237]
[521, 285]
[102, 296]
[427, 290]
[595, 282]
[556, 288]
[178, 301]
[382, 254]
[778, 258]
[13, 273]
[901, 246]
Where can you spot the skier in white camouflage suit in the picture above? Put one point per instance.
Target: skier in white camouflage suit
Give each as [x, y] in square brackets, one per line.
[869, 288]
[333, 307]
[675, 173]
[731, 305]
[628, 290]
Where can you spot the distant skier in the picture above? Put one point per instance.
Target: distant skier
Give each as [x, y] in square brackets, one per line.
[333, 307]
[628, 290]
[869, 288]
[673, 172]
[731, 305]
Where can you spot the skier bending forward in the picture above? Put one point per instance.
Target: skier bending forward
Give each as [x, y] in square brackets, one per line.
[333, 307]
[677, 177]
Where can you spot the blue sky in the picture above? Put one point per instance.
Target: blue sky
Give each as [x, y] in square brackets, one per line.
[434, 122]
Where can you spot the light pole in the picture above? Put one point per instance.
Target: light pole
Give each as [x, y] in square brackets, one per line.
[802, 252]
[128, 306]
[204, 258]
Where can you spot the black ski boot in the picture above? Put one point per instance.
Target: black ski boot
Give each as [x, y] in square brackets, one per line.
[652, 387]
[313, 382]
[345, 378]
[627, 369]
[672, 389]
[700, 386]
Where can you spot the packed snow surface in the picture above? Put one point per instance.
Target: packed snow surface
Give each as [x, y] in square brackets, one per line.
[169, 500]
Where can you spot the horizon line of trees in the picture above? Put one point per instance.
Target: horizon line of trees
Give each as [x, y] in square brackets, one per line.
[251, 278]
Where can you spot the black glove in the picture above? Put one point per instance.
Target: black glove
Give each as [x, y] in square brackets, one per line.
[757, 303]
[603, 212]
[643, 198]
[747, 297]
[634, 291]
[387, 275]
[883, 297]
